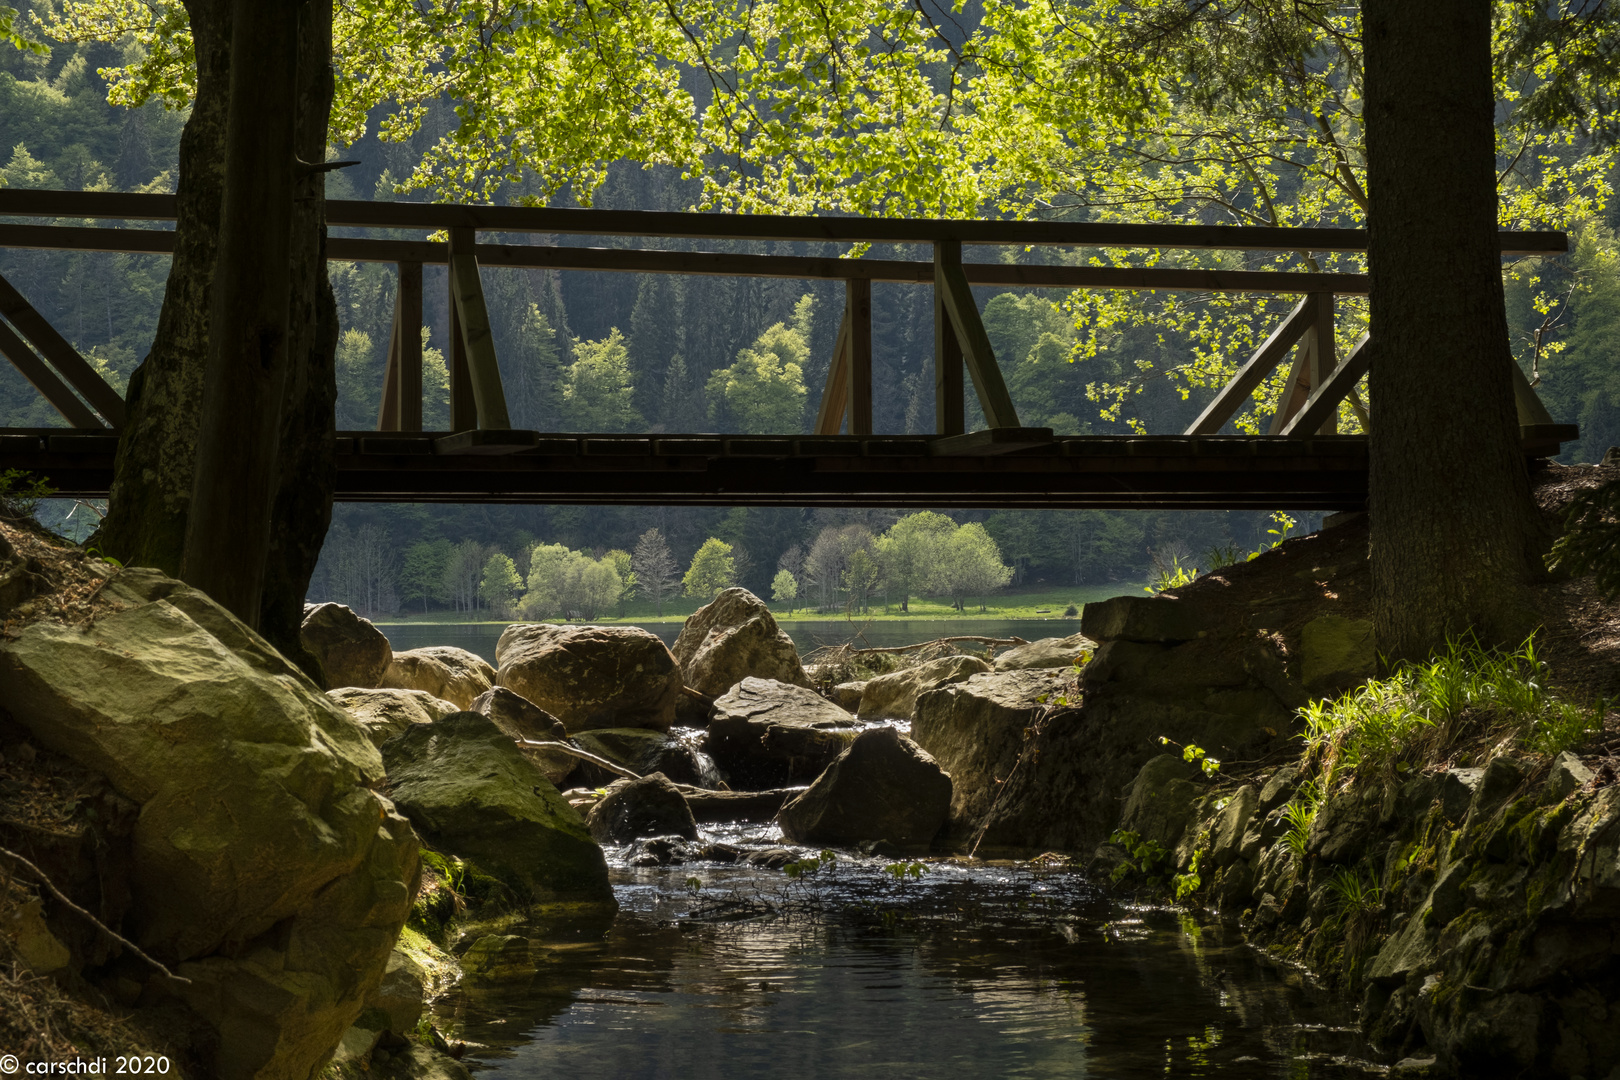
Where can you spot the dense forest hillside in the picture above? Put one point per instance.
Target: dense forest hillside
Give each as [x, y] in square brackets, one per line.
[622, 352]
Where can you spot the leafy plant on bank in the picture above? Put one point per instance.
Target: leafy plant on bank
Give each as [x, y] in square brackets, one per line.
[21, 492]
[1146, 860]
[1191, 753]
[1591, 540]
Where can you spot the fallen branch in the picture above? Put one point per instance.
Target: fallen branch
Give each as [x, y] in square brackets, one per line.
[945, 641]
[583, 755]
[97, 923]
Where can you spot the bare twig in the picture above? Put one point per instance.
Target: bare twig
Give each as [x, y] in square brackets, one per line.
[583, 755]
[97, 923]
[945, 640]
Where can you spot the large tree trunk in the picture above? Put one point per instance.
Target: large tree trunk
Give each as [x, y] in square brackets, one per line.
[306, 477]
[152, 480]
[239, 433]
[152, 486]
[1450, 505]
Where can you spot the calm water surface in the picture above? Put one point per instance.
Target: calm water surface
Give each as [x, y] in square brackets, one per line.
[480, 638]
[975, 970]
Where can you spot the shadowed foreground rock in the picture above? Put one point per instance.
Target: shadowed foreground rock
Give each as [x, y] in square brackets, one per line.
[468, 790]
[523, 719]
[632, 809]
[884, 787]
[349, 650]
[592, 676]
[261, 866]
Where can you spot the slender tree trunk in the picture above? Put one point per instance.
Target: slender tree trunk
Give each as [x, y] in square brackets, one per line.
[1450, 505]
[152, 479]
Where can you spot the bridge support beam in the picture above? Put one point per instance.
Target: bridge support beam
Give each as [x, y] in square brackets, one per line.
[72, 370]
[401, 408]
[477, 399]
[955, 296]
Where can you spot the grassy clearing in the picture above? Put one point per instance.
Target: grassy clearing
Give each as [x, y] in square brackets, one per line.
[1033, 603]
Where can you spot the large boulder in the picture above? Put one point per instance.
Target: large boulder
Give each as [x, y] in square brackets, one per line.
[884, 787]
[894, 696]
[592, 676]
[469, 792]
[766, 734]
[383, 714]
[632, 809]
[525, 721]
[732, 638]
[262, 867]
[975, 730]
[1052, 652]
[349, 649]
[443, 671]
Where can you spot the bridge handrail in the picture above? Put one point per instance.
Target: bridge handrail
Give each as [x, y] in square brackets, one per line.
[708, 226]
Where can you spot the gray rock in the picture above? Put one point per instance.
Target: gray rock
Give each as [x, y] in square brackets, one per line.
[642, 752]
[975, 730]
[592, 676]
[1278, 790]
[766, 734]
[1568, 774]
[256, 819]
[1046, 653]
[468, 790]
[632, 809]
[383, 714]
[1226, 837]
[499, 958]
[1457, 792]
[402, 993]
[1159, 805]
[1337, 653]
[443, 671]
[884, 787]
[847, 695]
[349, 649]
[894, 696]
[732, 638]
[1501, 779]
[1142, 618]
[1342, 828]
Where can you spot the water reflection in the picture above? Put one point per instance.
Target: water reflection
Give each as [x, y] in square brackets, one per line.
[989, 970]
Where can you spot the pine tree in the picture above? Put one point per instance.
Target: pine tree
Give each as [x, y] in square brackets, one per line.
[654, 567]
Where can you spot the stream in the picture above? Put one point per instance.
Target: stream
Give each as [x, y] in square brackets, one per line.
[972, 969]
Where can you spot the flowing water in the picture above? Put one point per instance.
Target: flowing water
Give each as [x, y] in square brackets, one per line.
[971, 970]
[480, 638]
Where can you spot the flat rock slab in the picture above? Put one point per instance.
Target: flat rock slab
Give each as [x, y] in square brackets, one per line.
[894, 696]
[1050, 652]
[766, 734]
[384, 714]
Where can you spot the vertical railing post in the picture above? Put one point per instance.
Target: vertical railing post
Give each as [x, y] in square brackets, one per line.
[858, 303]
[950, 409]
[408, 311]
[1324, 354]
[463, 409]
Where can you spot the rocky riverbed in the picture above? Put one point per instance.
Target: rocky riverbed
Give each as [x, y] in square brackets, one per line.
[258, 871]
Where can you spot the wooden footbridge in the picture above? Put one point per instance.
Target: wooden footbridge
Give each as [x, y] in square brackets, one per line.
[1301, 463]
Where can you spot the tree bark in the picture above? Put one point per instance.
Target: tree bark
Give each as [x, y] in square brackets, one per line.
[239, 433]
[150, 498]
[305, 470]
[1452, 537]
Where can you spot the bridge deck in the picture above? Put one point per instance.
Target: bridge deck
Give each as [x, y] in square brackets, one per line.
[1150, 472]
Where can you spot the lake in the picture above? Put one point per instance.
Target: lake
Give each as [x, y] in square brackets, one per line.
[480, 638]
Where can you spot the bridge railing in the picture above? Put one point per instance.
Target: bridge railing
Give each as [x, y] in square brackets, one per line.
[1319, 379]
